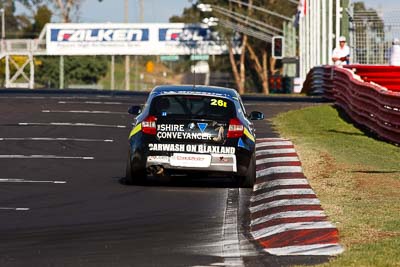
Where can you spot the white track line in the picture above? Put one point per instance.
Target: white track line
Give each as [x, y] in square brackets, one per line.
[277, 159]
[275, 151]
[14, 180]
[319, 249]
[271, 139]
[280, 182]
[54, 139]
[288, 214]
[78, 124]
[282, 192]
[276, 229]
[92, 102]
[16, 209]
[286, 202]
[276, 143]
[278, 170]
[230, 234]
[41, 157]
[85, 112]
[23, 97]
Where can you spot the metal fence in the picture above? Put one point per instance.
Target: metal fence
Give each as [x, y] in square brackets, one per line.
[372, 33]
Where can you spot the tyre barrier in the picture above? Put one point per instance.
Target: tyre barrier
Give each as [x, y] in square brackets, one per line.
[367, 103]
[286, 215]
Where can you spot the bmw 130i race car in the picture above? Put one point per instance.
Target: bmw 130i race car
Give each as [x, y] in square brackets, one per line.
[187, 129]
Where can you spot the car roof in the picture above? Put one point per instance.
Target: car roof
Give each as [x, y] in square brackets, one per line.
[198, 89]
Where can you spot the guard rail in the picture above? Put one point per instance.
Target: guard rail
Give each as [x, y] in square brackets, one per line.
[368, 104]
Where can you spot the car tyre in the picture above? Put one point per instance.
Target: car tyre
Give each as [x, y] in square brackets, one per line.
[249, 179]
[134, 177]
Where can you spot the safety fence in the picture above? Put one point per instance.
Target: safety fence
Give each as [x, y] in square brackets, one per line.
[367, 103]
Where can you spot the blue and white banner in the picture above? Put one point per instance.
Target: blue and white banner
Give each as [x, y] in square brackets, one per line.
[132, 39]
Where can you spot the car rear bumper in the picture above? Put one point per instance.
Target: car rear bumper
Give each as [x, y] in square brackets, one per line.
[194, 162]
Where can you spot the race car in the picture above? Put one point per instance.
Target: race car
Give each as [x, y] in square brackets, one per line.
[192, 130]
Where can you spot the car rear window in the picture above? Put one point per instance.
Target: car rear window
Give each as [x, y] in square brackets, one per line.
[192, 106]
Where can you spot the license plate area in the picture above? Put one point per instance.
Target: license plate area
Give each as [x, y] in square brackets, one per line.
[190, 160]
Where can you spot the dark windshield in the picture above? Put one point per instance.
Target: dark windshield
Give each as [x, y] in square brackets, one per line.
[192, 106]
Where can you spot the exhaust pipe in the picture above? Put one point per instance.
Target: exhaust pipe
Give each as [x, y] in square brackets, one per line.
[156, 170]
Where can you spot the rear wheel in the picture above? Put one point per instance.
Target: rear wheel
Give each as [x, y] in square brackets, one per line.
[134, 177]
[249, 179]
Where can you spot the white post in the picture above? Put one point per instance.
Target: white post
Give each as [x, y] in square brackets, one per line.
[337, 22]
[3, 24]
[324, 32]
[112, 72]
[330, 30]
[307, 39]
[301, 47]
[315, 31]
[7, 85]
[61, 72]
[318, 32]
[32, 72]
[127, 58]
[311, 26]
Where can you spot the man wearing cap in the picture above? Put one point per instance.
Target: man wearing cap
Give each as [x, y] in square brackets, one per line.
[341, 54]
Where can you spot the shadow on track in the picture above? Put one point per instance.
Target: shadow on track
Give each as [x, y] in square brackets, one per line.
[186, 181]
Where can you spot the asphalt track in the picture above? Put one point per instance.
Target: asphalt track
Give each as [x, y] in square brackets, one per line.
[63, 201]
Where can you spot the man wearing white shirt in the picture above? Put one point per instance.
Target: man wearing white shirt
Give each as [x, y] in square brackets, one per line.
[341, 54]
[395, 54]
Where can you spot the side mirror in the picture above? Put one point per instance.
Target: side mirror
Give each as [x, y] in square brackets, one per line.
[256, 116]
[135, 110]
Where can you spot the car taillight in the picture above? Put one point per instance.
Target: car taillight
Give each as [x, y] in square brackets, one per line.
[149, 125]
[235, 129]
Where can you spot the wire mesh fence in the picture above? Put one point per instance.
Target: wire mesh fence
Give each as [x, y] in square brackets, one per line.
[373, 34]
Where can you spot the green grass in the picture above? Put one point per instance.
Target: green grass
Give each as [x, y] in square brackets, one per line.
[357, 179]
[323, 126]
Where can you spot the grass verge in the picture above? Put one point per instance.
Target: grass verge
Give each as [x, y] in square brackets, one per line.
[357, 179]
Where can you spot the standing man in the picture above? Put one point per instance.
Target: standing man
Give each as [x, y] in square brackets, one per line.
[341, 54]
[395, 53]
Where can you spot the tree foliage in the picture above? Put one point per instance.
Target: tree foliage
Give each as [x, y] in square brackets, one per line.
[77, 70]
[65, 9]
[12, 22]
[252, 68]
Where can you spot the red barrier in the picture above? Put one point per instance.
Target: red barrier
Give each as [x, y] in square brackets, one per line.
[368, 104]
[387, 76]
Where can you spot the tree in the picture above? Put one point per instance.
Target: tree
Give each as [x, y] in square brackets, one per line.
[255, 48]
[254, 64]
[40, 16]
[12, 21]
[64, 8]
[78, 70]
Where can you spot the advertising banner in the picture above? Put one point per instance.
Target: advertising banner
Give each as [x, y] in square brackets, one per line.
[132, 39]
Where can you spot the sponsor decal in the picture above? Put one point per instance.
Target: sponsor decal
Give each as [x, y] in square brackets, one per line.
[99, 35]
[190, 160]
[249, 135]
[194, 148]
[220, 130]
[191, 34]
[202, 126]
[177, 131]
[218, 103]
[135, 130]
[195, 93]
[241, 143]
